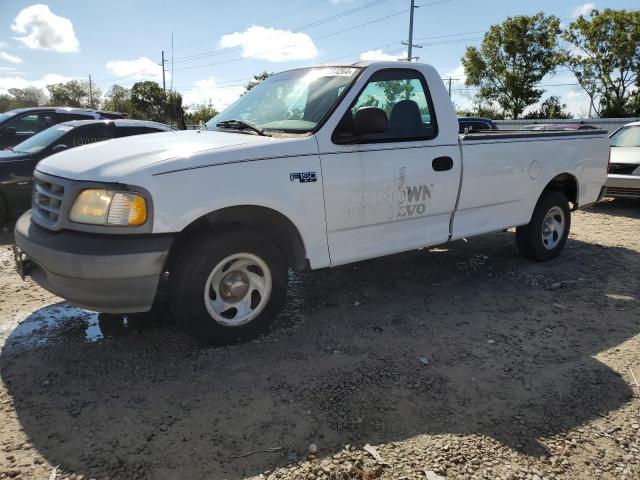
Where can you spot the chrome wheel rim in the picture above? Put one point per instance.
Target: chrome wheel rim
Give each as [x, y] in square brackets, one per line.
[553, 228]
[238, 289]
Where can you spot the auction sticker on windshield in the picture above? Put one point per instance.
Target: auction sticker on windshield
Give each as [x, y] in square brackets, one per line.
[337, 72]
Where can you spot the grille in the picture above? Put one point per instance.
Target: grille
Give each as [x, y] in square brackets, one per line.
[623, 192]
[47, 199]
[622, 168]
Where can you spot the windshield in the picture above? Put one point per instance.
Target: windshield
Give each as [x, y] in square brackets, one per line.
[293, 102]
[626, 137]
[42, 140]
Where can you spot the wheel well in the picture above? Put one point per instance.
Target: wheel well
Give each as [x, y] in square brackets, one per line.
[264, 221]
[567, 184]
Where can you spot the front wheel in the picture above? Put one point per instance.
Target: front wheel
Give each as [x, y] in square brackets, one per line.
[228, 286]
[546, 234]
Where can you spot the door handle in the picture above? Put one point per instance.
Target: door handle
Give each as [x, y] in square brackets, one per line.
[442, 164]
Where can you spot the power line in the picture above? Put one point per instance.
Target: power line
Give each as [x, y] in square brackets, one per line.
[316, 23]
[287, 13]
[293, 45]
[349, 55]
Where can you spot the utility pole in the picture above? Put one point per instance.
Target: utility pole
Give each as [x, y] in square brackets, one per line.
[410, 43]
[90, 92]
[164, 85]
[450, 80]
[410, 46]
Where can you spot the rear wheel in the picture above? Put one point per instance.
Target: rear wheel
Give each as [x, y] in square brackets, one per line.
[227, 287]
[545, 236]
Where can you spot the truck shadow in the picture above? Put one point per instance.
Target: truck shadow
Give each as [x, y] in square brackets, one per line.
[621, 207]
[467, 339]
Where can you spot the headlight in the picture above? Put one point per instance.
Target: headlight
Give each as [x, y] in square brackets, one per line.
[109, 207]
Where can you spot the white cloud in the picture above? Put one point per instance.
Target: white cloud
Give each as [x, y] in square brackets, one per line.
[584, 9]
[209, 91]
[3, 44]
[577, 102]
[41, 29]
[10, 58]
[458, 73]
[379, 55]
[139, 69]
[271, 44]
[18, 82]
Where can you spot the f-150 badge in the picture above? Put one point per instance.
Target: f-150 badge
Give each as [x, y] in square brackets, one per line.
[303, 177]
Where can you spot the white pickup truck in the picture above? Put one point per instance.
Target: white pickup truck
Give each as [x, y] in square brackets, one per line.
[313, 168]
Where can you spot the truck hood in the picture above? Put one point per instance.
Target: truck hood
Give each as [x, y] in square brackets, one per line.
[114, 160]
[625, 155]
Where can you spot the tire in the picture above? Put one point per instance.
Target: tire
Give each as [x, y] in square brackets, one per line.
[227, 287]
[545, 236]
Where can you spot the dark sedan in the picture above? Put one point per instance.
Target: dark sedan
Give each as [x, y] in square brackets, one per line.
[17, 163]
[18, 125]
[475, 124]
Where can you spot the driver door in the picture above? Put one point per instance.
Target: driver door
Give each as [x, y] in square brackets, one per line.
[391, 191]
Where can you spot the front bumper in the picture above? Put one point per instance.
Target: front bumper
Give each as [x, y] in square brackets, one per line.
[105, 273]
[622, 186]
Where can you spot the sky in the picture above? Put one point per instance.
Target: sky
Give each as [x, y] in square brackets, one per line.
[219, 45]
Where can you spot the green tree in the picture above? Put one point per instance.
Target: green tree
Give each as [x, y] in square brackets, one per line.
[604, 55]
[256, 80]
[118, 99]
[550, 108]
[482, 107]
[200, 113]
[6, 102]
[394, 91]
[148, 100]
[74, 93]
[173, 111]
[513, 58]
[27, 97]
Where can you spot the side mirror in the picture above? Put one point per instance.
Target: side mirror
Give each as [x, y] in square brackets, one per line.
[9, 132]
[368, 120]
[59, 148]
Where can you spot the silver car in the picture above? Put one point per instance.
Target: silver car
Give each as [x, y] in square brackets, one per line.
[624, 168]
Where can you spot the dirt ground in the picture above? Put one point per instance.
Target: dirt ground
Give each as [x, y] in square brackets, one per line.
[464, 361]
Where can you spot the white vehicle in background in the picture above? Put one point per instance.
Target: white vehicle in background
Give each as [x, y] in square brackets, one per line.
[623, 180]
[313, 168]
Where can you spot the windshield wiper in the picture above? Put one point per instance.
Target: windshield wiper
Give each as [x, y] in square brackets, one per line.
[242, 125]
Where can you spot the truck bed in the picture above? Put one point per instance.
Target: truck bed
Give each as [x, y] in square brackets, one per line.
[528, 134]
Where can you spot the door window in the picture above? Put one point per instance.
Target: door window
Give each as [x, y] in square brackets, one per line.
[404, 97]
[67, 117]
[129, 131]
[34, 123]
[89, 134]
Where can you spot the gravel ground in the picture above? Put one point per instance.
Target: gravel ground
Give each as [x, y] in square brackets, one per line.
[464, 361]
